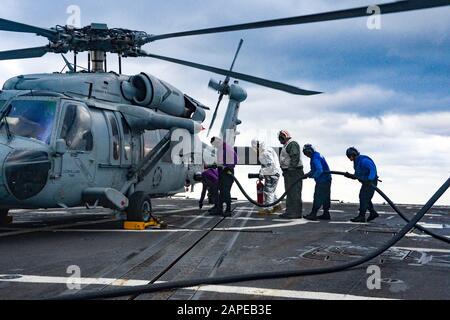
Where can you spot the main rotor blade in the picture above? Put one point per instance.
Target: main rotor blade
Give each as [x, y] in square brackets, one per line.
[263, 82]
[8, 25]
[387, 8]
[24, 53]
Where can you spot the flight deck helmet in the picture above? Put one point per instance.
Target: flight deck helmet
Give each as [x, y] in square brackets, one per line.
[198, 177]
[353, 152]
[284, 137]
[308, 150]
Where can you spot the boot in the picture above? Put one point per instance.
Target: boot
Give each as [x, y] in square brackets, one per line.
[227, 212]
[277, 208]
[325, 217]
[359, 219]
[373, 215]
[290, 216]
[215, 211]
[264, 212]
[311, 217]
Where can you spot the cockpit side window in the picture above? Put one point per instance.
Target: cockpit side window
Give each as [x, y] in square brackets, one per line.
[126, 139]
[77, 128]
[115, 135]
[30, 118]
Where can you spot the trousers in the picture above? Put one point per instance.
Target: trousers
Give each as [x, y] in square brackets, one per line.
[322, 197]
[294, 203]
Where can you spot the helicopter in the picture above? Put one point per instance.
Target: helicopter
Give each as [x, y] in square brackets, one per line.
[97, 138]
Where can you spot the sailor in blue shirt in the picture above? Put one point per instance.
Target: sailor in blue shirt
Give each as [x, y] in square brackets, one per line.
[320, 173]
[366, 173]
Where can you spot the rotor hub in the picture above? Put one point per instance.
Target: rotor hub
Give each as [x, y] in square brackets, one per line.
[96, 38]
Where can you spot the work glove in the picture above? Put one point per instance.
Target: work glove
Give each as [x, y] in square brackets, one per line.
[365, 182]
[350, 176]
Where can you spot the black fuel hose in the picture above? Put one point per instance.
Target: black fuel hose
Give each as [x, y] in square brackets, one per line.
[246, 195]
[352, 177]
[114, 293]
[397, 210]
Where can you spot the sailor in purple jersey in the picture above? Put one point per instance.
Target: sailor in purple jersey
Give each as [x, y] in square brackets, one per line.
[227, 160]
[210, 181]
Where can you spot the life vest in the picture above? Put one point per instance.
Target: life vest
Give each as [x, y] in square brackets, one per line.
[285, 158]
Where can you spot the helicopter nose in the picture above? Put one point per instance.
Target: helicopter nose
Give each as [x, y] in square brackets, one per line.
[25, 172]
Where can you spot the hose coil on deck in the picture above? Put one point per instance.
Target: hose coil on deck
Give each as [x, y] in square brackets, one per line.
[352, 177]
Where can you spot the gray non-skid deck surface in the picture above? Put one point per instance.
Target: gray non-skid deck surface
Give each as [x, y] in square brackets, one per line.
[41, 245]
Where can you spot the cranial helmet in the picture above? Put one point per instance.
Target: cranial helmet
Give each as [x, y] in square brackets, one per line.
[353, 152]
[198, 177]
[284, 136]
[257, 144]
[308, 149]
[216, 141]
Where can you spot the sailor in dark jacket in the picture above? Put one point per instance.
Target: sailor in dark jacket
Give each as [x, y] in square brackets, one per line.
[320, 172]
[366, 173]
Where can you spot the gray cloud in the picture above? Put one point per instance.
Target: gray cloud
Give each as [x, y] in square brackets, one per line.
[386, 91]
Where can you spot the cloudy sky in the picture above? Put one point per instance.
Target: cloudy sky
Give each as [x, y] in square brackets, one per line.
[386, 91]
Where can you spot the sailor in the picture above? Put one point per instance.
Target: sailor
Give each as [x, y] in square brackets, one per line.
[292, 166]
[366, 173]
[270, 172]
[210, 181]
[227, 160]
[320, 172]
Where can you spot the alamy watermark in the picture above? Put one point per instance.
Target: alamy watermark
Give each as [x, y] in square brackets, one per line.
[188, 149]
[74, 280]
[374, 21]
[374, 280]
[74, 19]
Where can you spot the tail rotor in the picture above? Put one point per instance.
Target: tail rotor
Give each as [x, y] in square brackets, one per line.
[223, 87]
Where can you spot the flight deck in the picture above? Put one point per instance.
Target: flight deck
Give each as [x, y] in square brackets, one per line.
[51, 253]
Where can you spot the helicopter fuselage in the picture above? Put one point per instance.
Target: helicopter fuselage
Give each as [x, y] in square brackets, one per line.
[70, 140]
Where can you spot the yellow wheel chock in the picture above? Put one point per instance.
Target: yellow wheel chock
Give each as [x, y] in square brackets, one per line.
[154, 223]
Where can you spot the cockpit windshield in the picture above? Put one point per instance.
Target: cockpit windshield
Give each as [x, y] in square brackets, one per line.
[32, 119]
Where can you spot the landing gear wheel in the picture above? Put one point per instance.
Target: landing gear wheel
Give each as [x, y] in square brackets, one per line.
[140, 208]
[4, 219]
